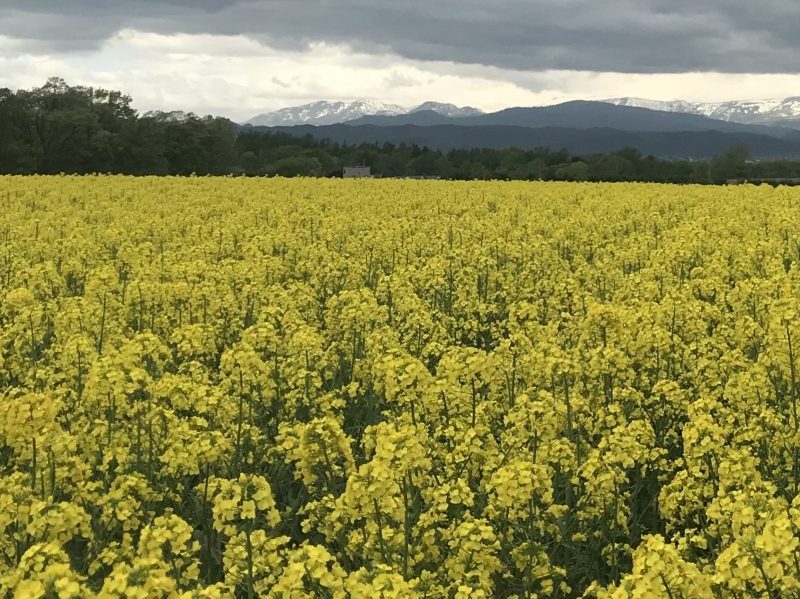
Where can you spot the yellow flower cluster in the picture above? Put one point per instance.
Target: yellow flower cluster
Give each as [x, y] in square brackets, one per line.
[227, 387]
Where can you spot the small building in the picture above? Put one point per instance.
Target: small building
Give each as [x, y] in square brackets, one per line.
[357, 172]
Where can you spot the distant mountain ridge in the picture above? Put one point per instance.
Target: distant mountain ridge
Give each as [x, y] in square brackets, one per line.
[447, 110]
[578, 114]
[784, 112]
[330, 113]
[774, 113]
[667, 129]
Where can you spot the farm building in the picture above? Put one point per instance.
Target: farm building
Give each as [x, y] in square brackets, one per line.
[356, 172]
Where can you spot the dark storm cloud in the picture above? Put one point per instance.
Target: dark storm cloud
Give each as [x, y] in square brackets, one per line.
[595, 35]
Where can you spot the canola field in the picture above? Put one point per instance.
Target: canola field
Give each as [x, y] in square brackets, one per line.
[229, 387]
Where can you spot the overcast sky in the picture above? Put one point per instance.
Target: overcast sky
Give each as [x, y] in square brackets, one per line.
[238, 58]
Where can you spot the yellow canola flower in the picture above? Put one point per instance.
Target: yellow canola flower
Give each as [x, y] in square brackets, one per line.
[232, 387]
[235, 502]
[43, 571]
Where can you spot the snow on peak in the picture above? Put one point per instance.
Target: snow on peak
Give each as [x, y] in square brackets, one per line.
[450, 110]
[763, 112]
[328, 113]
[664, 105]
[324, 113]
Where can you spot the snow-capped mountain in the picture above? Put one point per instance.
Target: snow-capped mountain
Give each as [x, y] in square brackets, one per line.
[784, 113]
[324, 113]
[663, 105]
[330, 113]
[755, 112]
[450, 110]
[763, 112]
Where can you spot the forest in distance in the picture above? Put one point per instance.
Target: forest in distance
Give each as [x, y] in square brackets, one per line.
[59, 128]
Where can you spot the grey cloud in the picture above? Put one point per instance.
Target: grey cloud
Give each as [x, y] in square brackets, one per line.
[396, 79]
[642, 36]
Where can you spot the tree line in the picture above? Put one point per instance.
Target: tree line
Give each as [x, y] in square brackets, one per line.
[58, 128]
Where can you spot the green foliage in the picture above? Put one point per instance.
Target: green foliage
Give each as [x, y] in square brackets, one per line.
[730, 164]
[74, 129]
[60, 128]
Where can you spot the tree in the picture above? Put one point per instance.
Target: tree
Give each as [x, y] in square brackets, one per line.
[295, 166]
[612, 167]
[730, 164]
[575, 171]
[75, 129]
[16, 152]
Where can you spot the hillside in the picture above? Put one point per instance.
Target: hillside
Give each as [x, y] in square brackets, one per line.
[775, 113]
[580, 115]
[665, 144]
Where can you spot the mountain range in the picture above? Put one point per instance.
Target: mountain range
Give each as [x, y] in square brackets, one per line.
[672, 129]
[784, 112]
[780, 113]
[577, 114]
[330, 113]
